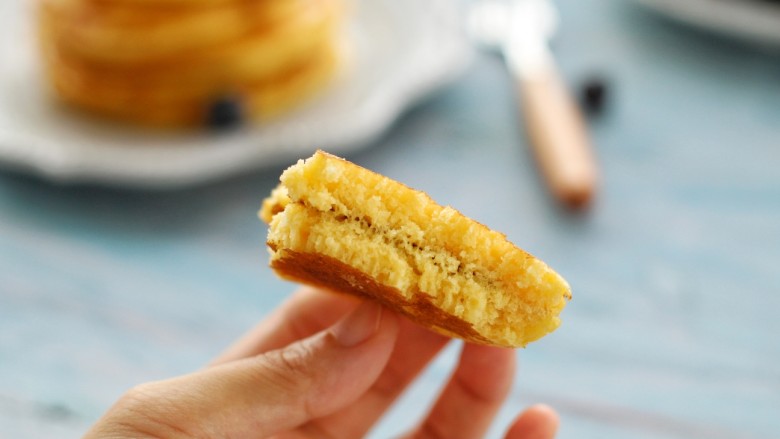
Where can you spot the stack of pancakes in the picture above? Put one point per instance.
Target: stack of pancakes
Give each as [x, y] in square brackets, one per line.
[169, 62]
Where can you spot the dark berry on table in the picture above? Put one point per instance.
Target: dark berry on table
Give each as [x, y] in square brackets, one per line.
[225, 112]
[594, 95]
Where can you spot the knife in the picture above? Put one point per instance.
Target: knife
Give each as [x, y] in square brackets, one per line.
[557, 133]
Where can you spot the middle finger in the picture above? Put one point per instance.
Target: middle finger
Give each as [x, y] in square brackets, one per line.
[415, 348]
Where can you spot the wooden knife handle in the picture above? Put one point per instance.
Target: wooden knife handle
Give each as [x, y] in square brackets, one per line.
[559, 138]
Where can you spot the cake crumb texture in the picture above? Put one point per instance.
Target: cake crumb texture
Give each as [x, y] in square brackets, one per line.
[342, 227]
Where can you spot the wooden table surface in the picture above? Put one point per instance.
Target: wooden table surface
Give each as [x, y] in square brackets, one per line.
[673, 330]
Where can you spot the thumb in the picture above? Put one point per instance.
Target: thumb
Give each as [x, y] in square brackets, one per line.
[266, 394]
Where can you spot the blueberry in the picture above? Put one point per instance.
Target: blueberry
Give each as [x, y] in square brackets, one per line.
[593, 95]
[225, 112]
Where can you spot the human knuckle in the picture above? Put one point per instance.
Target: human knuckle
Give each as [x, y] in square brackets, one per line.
[137, 399]
[295, 360]
[387, 387]
[477, 395]
[291, 367]
[145, 412]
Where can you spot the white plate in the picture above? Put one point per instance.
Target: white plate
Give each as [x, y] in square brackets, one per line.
[752, 20]
[403, 50]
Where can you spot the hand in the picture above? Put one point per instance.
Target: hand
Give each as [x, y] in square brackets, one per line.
[324, 365]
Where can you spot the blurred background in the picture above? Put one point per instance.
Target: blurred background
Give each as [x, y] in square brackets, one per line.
[122, 267]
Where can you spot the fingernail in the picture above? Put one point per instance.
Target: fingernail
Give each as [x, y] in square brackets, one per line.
[359, 326]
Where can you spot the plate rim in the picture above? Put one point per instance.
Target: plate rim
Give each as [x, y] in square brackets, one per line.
[51, 160]
[733, 18]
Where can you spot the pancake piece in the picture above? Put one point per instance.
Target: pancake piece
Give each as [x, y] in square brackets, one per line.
[341, 227]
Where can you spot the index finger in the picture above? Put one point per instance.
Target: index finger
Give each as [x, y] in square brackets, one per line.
[305, 313]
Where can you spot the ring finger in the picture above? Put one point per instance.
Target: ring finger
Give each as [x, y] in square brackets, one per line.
[467, 405]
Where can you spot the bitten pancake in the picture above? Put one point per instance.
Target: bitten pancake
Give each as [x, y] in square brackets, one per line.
[341, 227]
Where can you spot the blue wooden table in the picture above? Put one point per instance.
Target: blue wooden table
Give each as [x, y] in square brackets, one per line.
[673, 330]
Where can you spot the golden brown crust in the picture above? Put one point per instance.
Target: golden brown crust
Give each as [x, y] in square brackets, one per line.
[330, 274]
